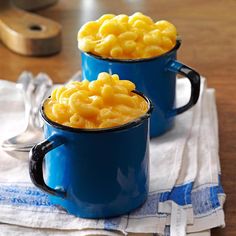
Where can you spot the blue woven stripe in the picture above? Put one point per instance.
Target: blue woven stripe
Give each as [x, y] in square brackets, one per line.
[181, 195]
[204, 200]
[112, 224]
[23, 196]
[149, 208]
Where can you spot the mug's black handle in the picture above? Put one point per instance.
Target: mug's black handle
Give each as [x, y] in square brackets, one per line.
[195, 80]
[36, 156]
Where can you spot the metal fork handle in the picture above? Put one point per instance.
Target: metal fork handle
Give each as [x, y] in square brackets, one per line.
[43, 85]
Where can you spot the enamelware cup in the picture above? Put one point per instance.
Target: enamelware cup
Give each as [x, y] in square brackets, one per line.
[94, 173]
[155, 77]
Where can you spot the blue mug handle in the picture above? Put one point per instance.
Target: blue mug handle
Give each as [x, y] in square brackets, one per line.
[36, 156]
[195, 80]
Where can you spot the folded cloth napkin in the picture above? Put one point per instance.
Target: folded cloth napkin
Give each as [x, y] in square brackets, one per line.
[185, 190]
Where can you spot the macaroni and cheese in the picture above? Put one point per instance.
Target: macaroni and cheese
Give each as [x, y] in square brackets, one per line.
[103, 103]
[127, 37]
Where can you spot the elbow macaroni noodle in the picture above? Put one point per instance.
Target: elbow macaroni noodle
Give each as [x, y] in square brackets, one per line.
[127, 37]
[103, 103]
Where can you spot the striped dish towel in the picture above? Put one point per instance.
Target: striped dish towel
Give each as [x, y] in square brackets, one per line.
[186, 196]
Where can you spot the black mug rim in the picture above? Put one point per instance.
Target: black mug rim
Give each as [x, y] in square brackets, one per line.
[176, 47]
[130, 124]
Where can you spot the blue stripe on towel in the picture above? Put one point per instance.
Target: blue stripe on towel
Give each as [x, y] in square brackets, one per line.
[23, 196]
[112, 223]
[179, 194]
[149, 208]
[204, 200]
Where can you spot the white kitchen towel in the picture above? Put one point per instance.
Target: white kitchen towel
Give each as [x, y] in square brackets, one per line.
[206, 185]
[196, 150]
[183, 183]
[14, 230]
[207, 182]
[23, 204]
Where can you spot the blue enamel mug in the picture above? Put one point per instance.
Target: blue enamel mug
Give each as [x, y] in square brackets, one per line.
[94, 173]
[155, 77]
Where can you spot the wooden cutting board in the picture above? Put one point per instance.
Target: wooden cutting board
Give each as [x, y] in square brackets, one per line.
[26, 33]
[31, 5]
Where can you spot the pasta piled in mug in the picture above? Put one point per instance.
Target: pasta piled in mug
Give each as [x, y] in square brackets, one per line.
[127, 37]
[103, 103]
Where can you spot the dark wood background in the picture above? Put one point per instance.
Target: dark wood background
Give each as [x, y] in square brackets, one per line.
[208, 31]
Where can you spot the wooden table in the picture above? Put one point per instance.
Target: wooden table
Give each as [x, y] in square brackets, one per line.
[208, 32]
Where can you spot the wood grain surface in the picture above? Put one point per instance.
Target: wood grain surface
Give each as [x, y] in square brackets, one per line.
[27, 33]
[208, 32]
[33, 5]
